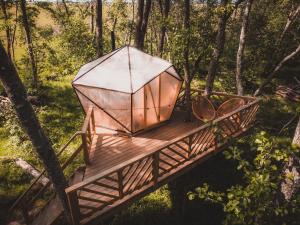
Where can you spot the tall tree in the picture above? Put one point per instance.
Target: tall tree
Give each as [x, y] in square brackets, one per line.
[164, 9]
[99, 28]
[7, 27]
[218, 49]
[29, 43]
[290, 185]
[240, 52]
[186, 64]
[143, 11]
[17, 94]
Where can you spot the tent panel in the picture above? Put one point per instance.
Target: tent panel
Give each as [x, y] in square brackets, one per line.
[102, 119]
[138, 111]
[170, 88]
[111, 74]
[152, 102]
[144, 67]
[117, 104]
[173, 72]
[151, 116]
[89, 66]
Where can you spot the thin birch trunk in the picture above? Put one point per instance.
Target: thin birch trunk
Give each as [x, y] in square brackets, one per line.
[240, 52]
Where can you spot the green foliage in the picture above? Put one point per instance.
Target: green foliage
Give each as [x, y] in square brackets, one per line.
[152, 209]
[257, 199]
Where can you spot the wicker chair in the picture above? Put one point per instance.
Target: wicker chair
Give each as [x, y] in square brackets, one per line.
[203, 109]
[229, 106]
[233, 123]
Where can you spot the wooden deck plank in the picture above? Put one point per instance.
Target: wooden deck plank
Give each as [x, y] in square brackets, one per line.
[124, 166]
[108, 151]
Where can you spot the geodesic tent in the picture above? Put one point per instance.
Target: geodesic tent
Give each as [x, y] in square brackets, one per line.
[128, 89]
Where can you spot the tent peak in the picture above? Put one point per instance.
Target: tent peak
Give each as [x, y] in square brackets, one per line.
[126, 69]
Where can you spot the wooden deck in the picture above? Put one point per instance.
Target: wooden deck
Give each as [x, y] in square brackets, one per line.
[122, 169]
[119, 170]
[108, 150]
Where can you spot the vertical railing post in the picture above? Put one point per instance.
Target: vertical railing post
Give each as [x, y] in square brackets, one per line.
[85, 148]
[155, 167]
[120, 183]
[74, 207]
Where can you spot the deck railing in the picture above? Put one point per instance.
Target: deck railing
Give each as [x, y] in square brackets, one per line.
[123, 181]
[27, 199]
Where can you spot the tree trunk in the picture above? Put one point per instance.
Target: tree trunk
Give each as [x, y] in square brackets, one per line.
[240, 52]
[92, 23]
[99, 28]
[291, 171]
[276, 69]
[113, 36]
[165, 9]
[186, 65]
[18, 96]
[296, 139]
[7, 28]
[29, 43]
[143, 11]
[218, 50]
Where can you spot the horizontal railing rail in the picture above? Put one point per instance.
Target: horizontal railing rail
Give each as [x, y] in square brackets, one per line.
[220, 96]
[86, 134]
[99, 191]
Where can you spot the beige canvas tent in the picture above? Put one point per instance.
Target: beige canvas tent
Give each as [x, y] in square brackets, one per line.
[129, 89]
